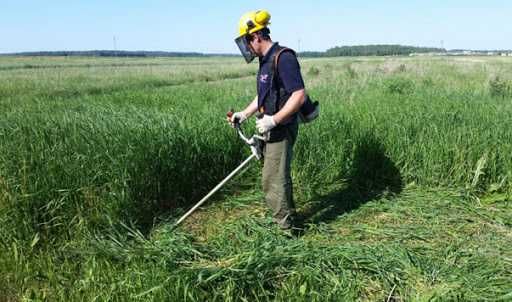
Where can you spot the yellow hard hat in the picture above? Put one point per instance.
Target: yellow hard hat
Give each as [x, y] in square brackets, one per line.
[252, 22]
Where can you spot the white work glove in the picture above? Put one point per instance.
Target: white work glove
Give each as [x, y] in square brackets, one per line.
[265, 124]
[238, 115]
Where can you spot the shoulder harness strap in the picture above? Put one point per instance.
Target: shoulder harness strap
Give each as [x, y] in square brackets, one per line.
[277, 55]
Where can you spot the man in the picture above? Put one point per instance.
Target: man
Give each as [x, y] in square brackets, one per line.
[280, 96]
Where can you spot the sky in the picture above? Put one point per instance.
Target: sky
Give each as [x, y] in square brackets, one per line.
[211, 26]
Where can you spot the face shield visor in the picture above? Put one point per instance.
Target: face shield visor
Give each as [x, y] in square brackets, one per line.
[245, 49]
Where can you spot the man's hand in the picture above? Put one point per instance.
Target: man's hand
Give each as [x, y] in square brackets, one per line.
[240, 117]
[265, 124]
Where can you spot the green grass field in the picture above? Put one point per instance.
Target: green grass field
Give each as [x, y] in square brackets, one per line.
[404, 182]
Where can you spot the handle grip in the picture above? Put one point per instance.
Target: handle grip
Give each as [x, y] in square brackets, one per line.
[230, 113]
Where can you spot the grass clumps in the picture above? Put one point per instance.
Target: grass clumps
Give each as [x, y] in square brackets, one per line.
[499, 87]
[313, 71]
[397, 247]
[350, 71]
[404, 184]
[400, 86]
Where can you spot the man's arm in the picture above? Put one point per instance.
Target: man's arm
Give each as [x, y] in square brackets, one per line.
[292, 106]
[251, 108]
[289, 73]
[246, 113]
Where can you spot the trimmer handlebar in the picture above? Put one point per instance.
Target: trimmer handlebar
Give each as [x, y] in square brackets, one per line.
[255, 142]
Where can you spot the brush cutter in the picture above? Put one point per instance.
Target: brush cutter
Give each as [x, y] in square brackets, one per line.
[255, 143]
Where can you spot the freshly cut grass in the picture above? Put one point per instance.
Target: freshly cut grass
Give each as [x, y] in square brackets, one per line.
[423, 245]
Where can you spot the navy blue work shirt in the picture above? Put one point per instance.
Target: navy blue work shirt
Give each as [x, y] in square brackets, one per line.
[288, 69]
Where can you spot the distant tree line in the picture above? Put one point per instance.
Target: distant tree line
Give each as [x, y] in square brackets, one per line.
[111, 53]
[371, 50]
[339, 51]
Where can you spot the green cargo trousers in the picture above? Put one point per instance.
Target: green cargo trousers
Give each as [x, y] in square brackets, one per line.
[277, 180]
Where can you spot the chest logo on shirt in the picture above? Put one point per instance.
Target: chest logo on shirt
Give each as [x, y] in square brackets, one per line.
[264, 78]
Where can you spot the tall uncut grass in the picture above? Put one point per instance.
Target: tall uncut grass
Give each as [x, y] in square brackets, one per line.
[99, 156]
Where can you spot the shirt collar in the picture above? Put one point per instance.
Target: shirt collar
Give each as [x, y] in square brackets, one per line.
[269, 53]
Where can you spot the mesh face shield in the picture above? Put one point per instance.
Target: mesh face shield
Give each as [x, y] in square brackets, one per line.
[243, 45]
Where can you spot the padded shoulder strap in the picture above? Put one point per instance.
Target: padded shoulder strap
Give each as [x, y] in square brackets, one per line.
[278, 54]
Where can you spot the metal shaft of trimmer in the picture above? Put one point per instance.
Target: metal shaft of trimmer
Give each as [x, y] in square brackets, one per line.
[242, 165]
